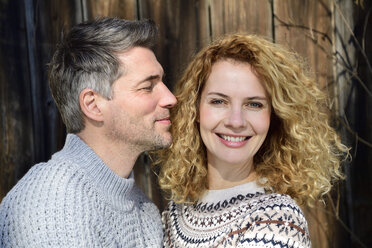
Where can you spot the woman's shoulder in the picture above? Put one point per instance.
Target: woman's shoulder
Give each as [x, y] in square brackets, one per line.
[276, 203]
[275, 219]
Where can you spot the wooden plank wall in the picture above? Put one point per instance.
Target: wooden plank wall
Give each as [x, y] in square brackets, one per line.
[31, 129]
[306, 27]
[353, 36]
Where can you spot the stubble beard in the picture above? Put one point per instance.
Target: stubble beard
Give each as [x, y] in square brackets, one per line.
[161, 142]
[138, 138]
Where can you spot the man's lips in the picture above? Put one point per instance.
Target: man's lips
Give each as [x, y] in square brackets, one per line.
[164, 120]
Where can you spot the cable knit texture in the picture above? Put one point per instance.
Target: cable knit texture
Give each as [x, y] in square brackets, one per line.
[242, 216]
[75, 200]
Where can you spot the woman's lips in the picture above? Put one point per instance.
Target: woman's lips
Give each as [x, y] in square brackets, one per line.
[233, 141]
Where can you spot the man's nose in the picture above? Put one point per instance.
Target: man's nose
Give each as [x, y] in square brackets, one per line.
[167, 99]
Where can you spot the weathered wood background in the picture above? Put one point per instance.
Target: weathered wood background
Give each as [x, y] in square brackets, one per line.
[335, 37]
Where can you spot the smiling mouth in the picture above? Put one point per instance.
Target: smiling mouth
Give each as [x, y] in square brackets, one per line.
[233, 138]
[163, 119]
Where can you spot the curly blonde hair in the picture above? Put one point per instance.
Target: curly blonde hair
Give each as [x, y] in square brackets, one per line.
[301, 154]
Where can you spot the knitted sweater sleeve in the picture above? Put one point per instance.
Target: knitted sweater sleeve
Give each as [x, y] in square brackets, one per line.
[46, 209]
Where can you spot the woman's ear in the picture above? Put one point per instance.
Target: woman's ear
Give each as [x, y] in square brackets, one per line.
[90, 104]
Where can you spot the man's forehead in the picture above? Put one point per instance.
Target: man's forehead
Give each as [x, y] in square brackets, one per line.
[138, 59]
[136, 54]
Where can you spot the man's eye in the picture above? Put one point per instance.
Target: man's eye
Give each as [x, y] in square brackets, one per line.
[148, 88]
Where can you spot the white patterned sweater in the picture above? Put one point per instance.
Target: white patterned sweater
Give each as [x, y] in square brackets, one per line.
[241, 216]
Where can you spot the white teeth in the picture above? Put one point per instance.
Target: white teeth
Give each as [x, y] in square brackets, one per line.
[233, 139]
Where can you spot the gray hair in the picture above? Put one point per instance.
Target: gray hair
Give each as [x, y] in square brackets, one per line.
[87, 58]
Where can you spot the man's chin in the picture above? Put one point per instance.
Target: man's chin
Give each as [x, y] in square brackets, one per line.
[165, 142]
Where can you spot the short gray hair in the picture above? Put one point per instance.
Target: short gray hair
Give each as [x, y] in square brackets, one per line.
[87, 58]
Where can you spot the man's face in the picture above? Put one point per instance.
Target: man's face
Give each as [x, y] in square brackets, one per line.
[138, 113]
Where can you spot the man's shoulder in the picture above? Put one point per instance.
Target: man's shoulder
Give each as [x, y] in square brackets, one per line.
[41, 181]
[43, 200]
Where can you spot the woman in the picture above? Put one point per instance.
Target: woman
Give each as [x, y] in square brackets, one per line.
[250, 140]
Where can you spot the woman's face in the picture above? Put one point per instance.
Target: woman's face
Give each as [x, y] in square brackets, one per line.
[234, 113]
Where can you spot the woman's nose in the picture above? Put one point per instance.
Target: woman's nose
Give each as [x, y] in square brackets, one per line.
[235, 118]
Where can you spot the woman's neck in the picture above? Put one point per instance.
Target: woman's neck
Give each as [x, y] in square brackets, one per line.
[222, 175]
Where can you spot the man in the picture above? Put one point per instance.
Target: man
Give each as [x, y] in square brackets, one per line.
[108, 87]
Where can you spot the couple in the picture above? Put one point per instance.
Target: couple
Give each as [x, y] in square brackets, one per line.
[248, 138]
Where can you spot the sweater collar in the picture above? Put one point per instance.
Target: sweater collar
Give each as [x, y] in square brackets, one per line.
[113, 188]
[214, 196]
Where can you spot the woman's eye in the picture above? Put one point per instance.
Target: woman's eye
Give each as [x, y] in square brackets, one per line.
[217, 101]
[255, 105]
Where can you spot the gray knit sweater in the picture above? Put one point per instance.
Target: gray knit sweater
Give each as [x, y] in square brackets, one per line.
[75, 200]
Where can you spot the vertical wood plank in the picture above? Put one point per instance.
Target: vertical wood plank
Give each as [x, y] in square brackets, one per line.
[57, 17]
[306, 27]
[126, 9]
[361, 170]
[16, 137]
[242, 16]
[352, 35]
[345, 96]
[35, 87]
[54, 18]
[45, 20]
[184, 29]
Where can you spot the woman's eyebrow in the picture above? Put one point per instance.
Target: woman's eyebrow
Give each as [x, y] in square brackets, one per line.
[217, 93]
[247, 98]
[257, 98]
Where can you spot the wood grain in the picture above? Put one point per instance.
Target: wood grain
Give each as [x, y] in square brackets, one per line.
[126, 9]
[306, 28]
[184, 30]
[241, 16]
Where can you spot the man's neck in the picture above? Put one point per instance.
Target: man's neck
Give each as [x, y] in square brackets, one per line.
[118, 157]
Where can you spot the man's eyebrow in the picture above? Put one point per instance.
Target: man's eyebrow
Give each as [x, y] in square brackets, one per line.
[160, 76]
[150, 78]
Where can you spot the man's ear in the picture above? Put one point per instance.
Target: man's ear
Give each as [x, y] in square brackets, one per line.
[90, 104]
